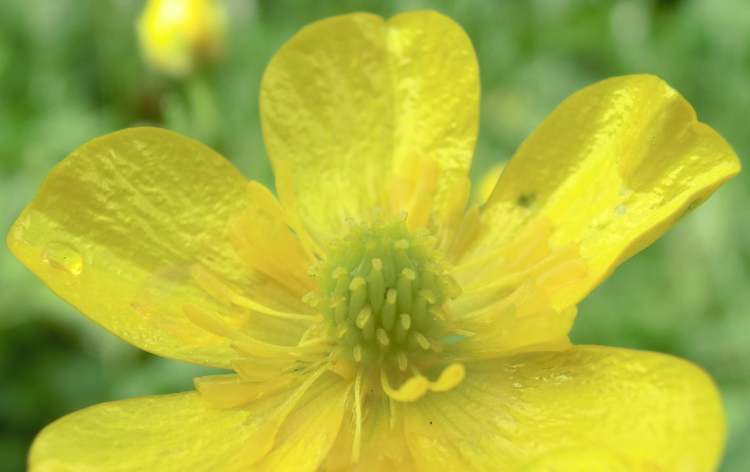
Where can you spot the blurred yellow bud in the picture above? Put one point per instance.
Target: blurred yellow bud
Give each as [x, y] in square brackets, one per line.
[178, 35]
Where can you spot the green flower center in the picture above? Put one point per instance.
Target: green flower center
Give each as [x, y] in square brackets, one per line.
[382, 290]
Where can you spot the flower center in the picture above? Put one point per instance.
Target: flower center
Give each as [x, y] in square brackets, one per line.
[382, 291]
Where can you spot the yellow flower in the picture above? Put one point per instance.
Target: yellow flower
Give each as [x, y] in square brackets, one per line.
[372, 320]
[177, 35]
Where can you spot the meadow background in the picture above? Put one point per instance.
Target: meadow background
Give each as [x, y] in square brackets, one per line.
[71, 70]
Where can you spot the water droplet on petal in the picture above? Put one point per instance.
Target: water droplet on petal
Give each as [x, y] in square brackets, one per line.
[63, 257]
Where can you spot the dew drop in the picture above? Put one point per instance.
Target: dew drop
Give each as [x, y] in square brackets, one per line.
[63, 257]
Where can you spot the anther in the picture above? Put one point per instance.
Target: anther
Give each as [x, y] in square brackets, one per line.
[402, 328]
[424, 299]
[363, 317]
[376, 284]
[402, 360]
[365, 321]
[423, 342]
[358, 295]
[451, 287]
[382, 337]
[382, 290]
[311, 299]
[388, 315]
[339, 309]
[357, 353]
[341, 330]
[342, 280]
[405, 281]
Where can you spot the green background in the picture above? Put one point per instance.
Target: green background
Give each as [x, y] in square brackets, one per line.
[70, 70]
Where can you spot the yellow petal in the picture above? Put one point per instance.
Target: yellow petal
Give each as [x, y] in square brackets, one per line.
[383, 443]
[307, 436]
[356, 110]
[117, 227]
[262, 238]
[183, 432]
[230, 391]
[582, 458]
[612, 168]
[161, 433]
[646, 409]
[487, 184]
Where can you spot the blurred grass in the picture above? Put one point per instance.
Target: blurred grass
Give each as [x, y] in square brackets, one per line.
[70, 71]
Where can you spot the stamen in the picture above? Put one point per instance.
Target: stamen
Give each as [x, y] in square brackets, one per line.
[411, 390]
[389, 310]
[383, 291]
[342, 281]
[311, 299]
[340, 308]
[357, 440]
[423, 342]
[402, 259]
[211, 323]
[231, 391]
[255, 371]
[404, 289]
[382, 337]
[403, 362]
[252, 347]
[264, 428]
[358, 295]
[366, 322]
[341, 365]
[363, 317]
[376, 284]
[449, 378]
[357, 353]
[402, 328]
[224, 292]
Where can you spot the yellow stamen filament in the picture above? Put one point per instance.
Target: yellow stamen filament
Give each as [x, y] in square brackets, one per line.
[264, 429]
[382, 337]
[357, 440]
[357, 353]
[403, 361]
[449, 378]
[252, 347]
[376, 284]
[389, 310]
[209, 322]
[423, 342]
[231, 391]
[255, 371]
[223, 292]
[409, 391]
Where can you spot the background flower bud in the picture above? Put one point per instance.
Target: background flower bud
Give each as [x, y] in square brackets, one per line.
[176, 36]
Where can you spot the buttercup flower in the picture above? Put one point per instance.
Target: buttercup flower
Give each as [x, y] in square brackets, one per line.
[177, 35]
[373, 319]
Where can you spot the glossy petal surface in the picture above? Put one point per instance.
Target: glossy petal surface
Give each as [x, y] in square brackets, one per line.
[136, 435]
[117, 226]
[637, 408]
[382, 448]
[612, 168]
[181, 432]
[360, 113]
